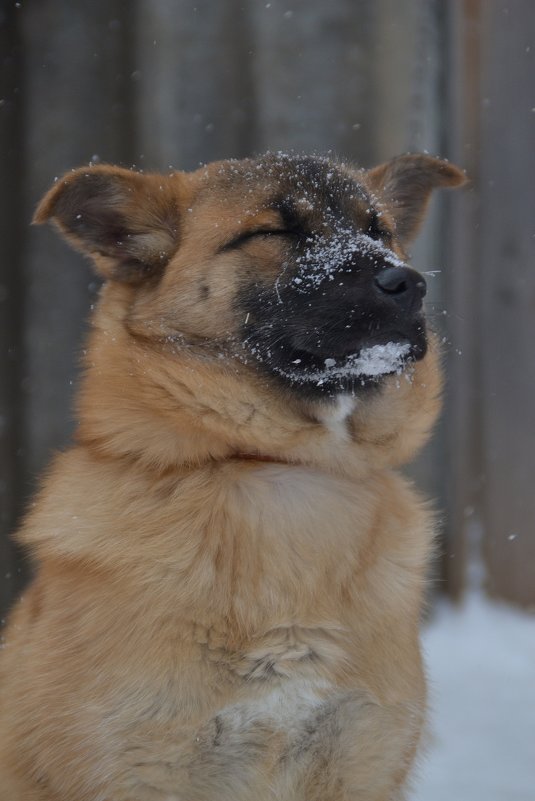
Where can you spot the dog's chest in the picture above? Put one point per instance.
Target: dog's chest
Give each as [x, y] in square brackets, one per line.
[291, 740]
[260, 746]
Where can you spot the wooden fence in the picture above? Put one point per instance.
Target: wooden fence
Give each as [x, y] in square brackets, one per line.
[154, 83]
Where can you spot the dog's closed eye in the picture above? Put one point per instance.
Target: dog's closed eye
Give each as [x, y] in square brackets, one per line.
[258, 232]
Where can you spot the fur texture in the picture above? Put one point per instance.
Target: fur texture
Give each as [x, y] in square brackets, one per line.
[229, 569]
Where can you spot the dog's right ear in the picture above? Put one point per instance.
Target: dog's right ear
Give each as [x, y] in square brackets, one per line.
[405, 185]
[126, 221]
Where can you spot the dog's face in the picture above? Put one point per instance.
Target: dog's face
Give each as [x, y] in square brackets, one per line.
[328, 304]
[292, 264]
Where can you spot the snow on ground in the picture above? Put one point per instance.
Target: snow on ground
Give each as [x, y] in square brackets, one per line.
[481, 667]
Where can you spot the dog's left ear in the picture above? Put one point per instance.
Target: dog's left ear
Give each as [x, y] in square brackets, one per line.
[126, 221]
[405, 184]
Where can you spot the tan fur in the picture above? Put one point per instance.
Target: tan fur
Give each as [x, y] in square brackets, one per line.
[203, 626]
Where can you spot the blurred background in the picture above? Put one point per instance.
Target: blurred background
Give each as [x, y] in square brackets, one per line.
[174, 83]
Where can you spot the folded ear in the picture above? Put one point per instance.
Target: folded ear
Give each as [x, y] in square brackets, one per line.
[126, 221]
[405, 185]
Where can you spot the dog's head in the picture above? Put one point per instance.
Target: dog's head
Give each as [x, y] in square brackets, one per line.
[292, 269]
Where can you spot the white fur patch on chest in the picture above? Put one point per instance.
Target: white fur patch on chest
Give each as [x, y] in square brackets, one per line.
[285, 706]
[335, 416]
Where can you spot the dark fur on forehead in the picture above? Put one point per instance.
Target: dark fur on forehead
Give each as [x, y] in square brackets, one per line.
[316, 177]
[299, 187]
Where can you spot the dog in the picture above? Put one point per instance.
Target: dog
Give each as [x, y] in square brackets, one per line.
[229, 569]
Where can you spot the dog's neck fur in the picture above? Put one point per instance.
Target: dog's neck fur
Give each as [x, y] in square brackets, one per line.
[216, 413]
[205, 417]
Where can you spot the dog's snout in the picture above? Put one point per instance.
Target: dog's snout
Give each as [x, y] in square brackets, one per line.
[402, 284]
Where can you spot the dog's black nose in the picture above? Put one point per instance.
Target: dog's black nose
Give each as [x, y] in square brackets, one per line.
[402, 284]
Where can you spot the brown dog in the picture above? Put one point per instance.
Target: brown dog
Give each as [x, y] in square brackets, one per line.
[230, 572]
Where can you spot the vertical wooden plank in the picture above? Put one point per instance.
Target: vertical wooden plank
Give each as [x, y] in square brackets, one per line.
[75, 112]
[11, 250]
[507, 290]
[402, 44]
[462, 279]
[312, 76]
[195, 101]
